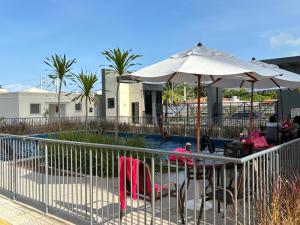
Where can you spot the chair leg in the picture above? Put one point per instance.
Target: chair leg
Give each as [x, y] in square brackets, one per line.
[181, 209]
[201, 210]
[121, 216]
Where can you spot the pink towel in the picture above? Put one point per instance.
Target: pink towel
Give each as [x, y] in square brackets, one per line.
[135, 165]
[183, 159]
[131, 165]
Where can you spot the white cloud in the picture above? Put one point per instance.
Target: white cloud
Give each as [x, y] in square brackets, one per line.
[284, 39]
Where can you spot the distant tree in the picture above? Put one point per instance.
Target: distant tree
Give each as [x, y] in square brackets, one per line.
[86, 83]
[60, 71]
[172, 94]
[120, 63]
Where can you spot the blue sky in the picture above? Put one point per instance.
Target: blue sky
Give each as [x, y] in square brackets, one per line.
[34, 29]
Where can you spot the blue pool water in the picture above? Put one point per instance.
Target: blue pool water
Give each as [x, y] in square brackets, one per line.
[157, 142]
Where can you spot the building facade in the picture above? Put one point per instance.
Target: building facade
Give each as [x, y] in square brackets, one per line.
[136, 100]
[40, 103]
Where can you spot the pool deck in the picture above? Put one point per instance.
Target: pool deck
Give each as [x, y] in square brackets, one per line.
[72, 197]
[12, 212]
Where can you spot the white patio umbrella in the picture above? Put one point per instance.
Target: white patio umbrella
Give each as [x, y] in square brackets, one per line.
[286, 80]
[202, 64]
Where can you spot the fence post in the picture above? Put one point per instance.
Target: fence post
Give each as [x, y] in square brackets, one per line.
[14, 175]
[46, 193]
[91, 187]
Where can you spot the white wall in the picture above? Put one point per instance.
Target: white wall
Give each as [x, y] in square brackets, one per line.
[9, 107]
[136, 95]
[128, 94]
[18, 104]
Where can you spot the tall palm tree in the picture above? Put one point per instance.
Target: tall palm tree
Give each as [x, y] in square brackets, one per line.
[60, 71]
[121, 61]
[85, 83]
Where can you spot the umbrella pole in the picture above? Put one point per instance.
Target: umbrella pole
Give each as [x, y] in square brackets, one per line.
[251, 109]
[281, 104]
[198, 114]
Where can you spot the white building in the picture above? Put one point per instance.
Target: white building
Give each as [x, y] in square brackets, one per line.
[136, 99]
[35, 102]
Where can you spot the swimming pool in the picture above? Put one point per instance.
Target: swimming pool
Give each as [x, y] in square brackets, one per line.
[157, 142]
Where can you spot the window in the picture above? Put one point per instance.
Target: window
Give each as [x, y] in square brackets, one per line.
[110, 103]
[34, 108]
[78, 107]
[91, 109]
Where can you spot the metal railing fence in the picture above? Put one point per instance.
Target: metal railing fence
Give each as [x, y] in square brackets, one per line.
[184, 126]
[111, 184]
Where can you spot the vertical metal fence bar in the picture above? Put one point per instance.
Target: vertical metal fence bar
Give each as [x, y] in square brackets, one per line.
[113, 186]
[131, 188]
[72, 179]
[224, 194]
[107, 187]
[244, 192]
[214, 192]
[153, 188]
[46, 192]
[161, 191]
[169, 192]
[96, 185]
[14, 177]
[91, 186]
[235, 193]
[204, 192]
[177, 189]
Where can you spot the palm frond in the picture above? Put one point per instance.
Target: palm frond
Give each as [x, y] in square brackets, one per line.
[60, 67]
[120, 60]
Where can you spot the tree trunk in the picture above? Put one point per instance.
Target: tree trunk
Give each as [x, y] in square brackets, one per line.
[86, 114]
[59, 92]
[117, 108]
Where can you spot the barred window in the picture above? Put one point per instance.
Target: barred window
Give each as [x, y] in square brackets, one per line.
[78, 107]
[110, 103]
[35, 108]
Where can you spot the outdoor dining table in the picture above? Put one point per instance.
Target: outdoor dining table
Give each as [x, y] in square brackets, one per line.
[202, 169]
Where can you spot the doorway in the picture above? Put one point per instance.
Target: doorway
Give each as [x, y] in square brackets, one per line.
[135, 112]
[53, 110]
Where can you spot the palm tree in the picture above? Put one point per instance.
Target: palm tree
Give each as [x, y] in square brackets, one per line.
[121, 61]
[60, 71]
[85, 83]
[171, 95]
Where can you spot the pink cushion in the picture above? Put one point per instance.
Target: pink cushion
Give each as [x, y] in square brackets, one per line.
[255, 134]
[260, 142]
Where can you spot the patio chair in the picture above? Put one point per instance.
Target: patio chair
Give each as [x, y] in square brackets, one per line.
[207, 142]
[219, 194]
[145, 192]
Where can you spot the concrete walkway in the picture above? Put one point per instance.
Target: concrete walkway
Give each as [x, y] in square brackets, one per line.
[15, 213]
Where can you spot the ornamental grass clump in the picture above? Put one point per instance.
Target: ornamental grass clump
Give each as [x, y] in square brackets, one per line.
[284, 206]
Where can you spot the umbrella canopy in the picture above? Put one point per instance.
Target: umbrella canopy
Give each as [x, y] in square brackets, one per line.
[287, 79]
[202, 64]
[200, 60]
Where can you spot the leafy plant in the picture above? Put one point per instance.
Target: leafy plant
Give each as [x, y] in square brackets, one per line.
[61, 69]
[85, 83]
[105, 158]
